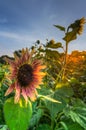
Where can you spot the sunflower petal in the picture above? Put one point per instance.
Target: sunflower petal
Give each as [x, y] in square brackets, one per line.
[17, 92]
[16, 57]
[9, 90]
[24, 94]
[31, 93]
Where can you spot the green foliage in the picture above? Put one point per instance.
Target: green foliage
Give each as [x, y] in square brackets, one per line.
[54, 108]
[61, 103]
[63, 126]
[52, 54]
[54, 45]
[68, 124]
[44, 127]
[63, 95]
[37, 114]
[73, 126]
[3, 87]
[64, 89]
[18, 115]
[2, 100]
[60, 27]
[77, 112]
[70, 36]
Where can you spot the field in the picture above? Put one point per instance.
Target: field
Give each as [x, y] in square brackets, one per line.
[43, 88]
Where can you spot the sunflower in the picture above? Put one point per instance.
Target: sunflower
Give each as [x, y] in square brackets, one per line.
[82, 21]
[26, 74]
[78, 26]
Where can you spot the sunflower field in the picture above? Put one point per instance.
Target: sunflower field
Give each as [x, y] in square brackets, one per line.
[44, 87]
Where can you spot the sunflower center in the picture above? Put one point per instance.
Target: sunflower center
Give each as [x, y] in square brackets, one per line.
[25, 75]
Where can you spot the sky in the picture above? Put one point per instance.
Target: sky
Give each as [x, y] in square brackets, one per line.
[23, 22]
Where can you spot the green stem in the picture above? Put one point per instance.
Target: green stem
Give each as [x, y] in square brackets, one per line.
[65, 60]
[66, 52]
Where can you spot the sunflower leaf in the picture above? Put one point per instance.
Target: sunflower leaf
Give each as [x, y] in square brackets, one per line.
[70, 36]
[60, 27]
[54, 46]
[18, 115]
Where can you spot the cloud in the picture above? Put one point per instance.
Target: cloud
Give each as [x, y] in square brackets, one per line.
[10, 41]
[17, 36]
[5, 51]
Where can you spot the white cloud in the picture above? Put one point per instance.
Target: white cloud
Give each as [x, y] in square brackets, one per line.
[5, 51]
[16, 36]
[10, 41]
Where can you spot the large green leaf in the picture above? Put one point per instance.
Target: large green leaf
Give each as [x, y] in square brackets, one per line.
[18, 115]
[70, 36]
[64, 89]
[55, 107]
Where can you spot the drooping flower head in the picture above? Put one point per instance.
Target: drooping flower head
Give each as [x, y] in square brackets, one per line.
[78, 26]
[82, 21]
[26, 74]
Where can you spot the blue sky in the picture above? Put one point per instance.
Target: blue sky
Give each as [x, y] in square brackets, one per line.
[23, 22]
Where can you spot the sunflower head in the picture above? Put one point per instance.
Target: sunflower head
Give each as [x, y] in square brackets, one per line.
[26, 73]
[78, 26]
[82, 21]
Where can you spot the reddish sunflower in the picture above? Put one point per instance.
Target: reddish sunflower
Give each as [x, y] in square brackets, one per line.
[26, 75]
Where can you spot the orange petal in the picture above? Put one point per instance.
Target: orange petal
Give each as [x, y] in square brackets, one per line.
[10, 89]
[16, 57]
[30, 93]
[17, 92]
